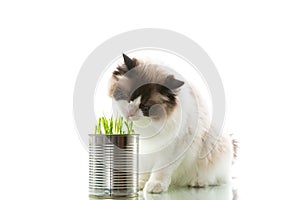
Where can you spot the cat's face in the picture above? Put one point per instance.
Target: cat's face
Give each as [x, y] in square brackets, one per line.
[144, 90]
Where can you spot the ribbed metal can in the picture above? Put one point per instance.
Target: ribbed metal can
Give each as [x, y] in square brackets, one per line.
[113, 166]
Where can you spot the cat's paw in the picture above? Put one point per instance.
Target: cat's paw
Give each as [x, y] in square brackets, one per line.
[197, 185]
[143, 178]
[142, 184]
[156, 187]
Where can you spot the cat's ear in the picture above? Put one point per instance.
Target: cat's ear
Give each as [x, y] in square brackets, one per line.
[130, 63]
[173, 83]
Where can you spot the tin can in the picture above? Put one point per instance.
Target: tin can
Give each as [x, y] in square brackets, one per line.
[113, 166]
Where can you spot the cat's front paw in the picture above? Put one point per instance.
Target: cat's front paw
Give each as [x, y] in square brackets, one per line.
[156, 187]
[143, 178]
[142, 184]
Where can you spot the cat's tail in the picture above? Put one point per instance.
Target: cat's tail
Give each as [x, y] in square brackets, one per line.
[235, 147]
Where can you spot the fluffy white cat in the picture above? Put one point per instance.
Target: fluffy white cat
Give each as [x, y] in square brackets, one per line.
[177, 144]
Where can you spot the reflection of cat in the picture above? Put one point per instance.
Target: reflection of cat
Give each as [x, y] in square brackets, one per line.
[224, 192]
[145, 91]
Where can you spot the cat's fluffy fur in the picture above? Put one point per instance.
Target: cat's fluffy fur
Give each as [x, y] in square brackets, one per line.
[185, 152]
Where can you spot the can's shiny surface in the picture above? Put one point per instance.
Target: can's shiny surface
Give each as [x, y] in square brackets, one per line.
[113, 166]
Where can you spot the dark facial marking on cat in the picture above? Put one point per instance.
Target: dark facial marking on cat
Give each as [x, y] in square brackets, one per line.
[154, 99]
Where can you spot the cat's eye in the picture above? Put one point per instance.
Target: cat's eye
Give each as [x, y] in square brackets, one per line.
[144, 108]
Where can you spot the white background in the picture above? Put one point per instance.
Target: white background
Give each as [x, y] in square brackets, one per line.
[255, 46]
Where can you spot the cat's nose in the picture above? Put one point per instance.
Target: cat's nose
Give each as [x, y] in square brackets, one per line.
[130, 113]
[132, 110]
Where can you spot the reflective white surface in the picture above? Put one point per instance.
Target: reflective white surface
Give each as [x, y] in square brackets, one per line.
[224, 192]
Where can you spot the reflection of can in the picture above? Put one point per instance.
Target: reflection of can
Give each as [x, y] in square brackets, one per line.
[113, 165]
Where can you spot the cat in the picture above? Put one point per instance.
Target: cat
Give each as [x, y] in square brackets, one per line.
[177, 146]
